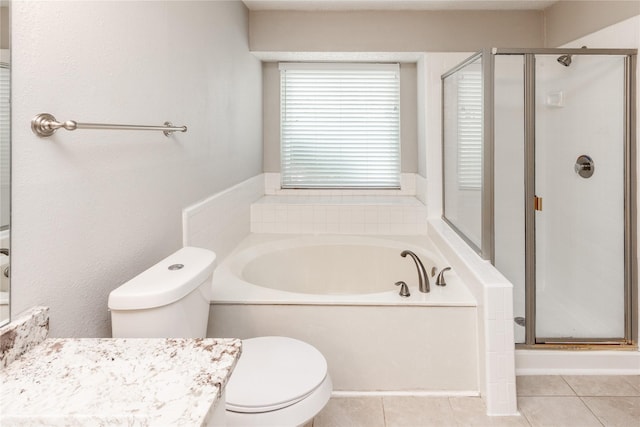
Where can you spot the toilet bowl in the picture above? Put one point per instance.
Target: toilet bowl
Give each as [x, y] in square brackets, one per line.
[277, 381]
[290, 393]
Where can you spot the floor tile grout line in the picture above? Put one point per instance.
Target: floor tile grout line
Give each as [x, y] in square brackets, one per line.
[384, 413]
[623, 377]
[575, 393]
[633, 386]
[590, 410]
[452, 411]
[529, 423]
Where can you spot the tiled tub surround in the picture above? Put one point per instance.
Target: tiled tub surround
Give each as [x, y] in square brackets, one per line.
[221, 221]
[335, 211]
[494, 294]
[89, 382]
[29, 329]
[339, 214]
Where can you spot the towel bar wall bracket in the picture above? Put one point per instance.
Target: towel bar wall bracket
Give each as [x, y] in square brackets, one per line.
[45, 124]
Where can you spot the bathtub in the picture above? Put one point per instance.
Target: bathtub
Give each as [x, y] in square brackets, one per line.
[338, 294]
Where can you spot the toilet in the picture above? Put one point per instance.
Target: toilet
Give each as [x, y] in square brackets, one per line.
[278, 381]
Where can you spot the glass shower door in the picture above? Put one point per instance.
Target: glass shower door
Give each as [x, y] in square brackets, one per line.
[580, 180]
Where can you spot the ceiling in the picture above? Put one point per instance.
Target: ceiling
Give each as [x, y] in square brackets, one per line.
[342, 5]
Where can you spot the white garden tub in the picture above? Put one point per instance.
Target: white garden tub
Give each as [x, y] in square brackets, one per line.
[338, 294]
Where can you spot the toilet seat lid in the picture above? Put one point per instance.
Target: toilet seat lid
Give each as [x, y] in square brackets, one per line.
[273, 373]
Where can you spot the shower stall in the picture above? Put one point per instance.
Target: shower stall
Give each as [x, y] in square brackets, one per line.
[539, 177]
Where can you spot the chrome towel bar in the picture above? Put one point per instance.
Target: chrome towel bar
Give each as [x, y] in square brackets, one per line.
[44, 124]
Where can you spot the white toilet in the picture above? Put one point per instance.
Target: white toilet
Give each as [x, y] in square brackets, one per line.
[278, 381]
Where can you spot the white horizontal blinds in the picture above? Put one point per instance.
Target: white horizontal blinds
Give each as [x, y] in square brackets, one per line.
[470, 128]
[340, 125]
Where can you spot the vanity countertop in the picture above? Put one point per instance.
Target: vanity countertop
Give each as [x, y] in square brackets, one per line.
[133, 382]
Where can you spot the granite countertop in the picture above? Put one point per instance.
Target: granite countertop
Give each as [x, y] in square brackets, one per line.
[133, 382]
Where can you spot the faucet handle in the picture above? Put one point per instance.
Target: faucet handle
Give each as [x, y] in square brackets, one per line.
[404, 289]
[440, 280]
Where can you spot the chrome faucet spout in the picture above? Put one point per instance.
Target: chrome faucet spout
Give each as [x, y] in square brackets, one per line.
[423, 278]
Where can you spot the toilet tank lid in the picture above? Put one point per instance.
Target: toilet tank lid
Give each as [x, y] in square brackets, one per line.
[165, 282]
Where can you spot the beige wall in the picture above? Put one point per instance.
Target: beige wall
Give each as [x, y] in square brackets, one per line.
[271, 117]
[408, 117]
[402, 31]
[5, 34]
[568, 20]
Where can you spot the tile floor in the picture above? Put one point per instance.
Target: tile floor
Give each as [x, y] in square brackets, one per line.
[558, 401]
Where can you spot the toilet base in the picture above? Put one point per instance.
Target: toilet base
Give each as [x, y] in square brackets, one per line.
[296, 415]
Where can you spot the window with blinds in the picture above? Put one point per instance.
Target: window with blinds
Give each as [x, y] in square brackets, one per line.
[470, 129]
[340, 125]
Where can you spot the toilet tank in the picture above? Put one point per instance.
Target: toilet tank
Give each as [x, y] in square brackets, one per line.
[168, 300]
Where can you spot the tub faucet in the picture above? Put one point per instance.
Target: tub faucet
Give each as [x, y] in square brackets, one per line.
[440, 280]
[423, 278]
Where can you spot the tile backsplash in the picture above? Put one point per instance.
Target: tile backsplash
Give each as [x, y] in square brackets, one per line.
[339, 214]
[259, 205]
[221, 221]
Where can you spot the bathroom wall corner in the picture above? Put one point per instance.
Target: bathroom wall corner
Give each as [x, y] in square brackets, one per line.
[421, 189]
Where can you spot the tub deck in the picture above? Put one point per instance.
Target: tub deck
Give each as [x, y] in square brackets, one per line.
[229, 288]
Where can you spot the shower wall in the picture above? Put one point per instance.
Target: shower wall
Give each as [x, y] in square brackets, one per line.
[509, 178]
[625, 34]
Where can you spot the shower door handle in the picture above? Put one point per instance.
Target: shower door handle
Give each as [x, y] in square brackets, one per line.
[537, 203]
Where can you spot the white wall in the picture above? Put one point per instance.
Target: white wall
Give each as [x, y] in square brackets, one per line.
[568, 20]
[91, 209]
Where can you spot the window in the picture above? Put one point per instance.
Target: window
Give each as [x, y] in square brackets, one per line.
[340, 125]
[470, 129]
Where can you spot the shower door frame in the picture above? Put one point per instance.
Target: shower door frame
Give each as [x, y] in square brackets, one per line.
[630, 211]
[487, 247]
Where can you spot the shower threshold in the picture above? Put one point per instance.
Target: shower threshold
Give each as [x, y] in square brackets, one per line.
[615, 345]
